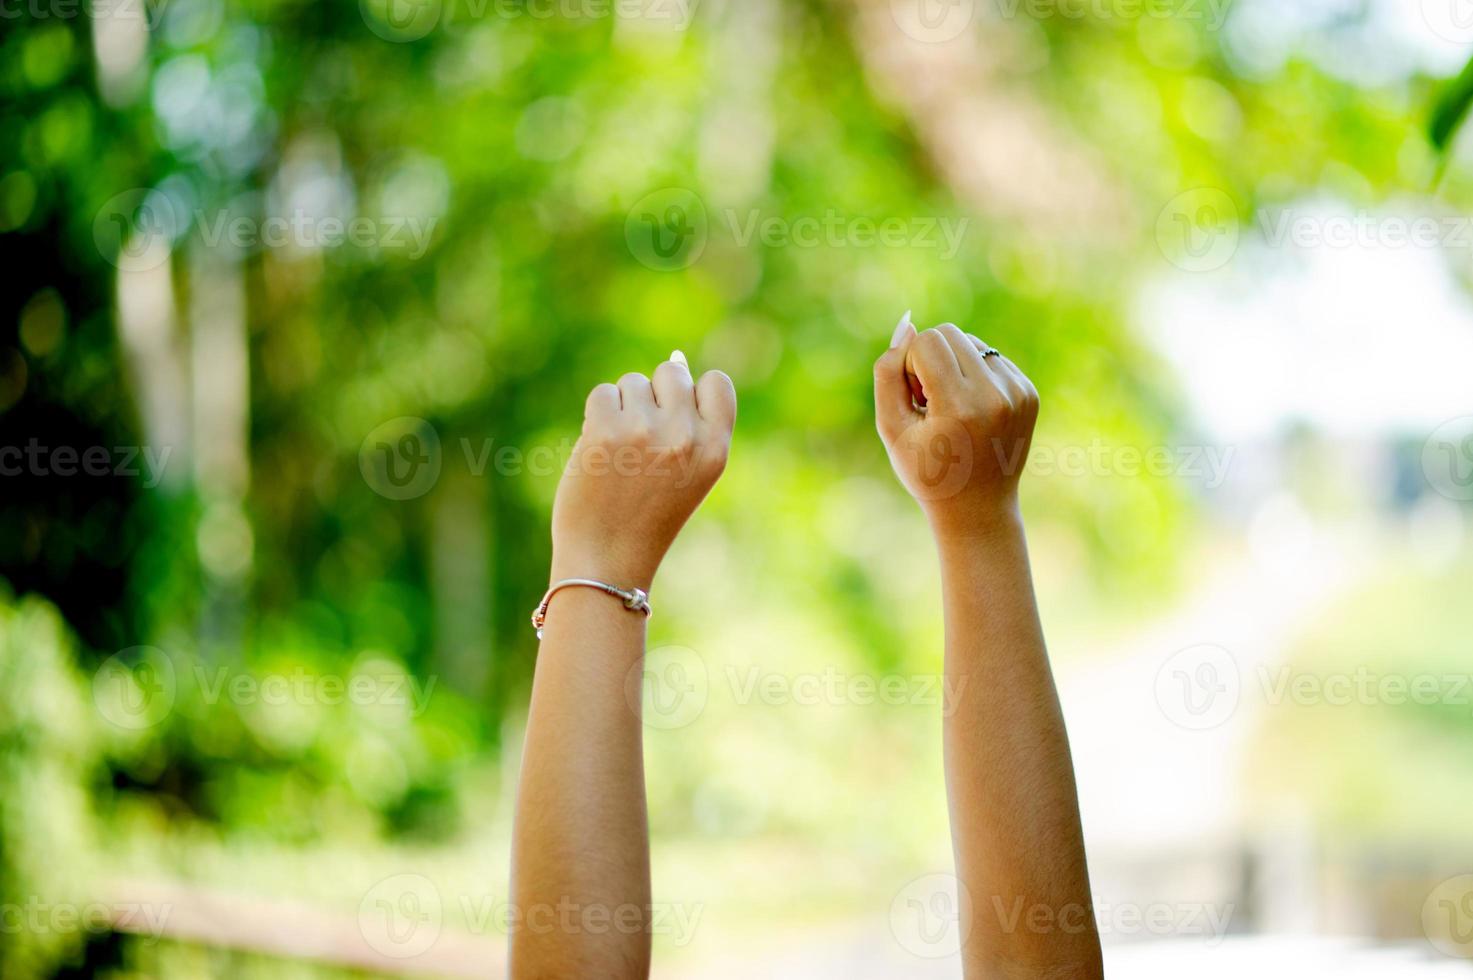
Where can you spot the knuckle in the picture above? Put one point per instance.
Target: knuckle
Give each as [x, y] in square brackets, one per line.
[633, 378]
[603, 436]
[682, 443]
[715, 454]
[718, 384]
[929, 344]
[991, 413]
[637, 431]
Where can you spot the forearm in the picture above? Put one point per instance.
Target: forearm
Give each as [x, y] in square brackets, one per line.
[648, 454]
[581, 845]
[1010, 781]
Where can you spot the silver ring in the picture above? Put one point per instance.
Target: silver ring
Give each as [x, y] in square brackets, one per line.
[991, 352]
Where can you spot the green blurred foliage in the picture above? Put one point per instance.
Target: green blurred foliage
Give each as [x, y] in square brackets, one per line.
[527, 141]
[48, 760]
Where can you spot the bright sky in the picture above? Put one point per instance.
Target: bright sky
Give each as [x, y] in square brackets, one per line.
[1363, 335]
[1363, 339]
[1395, 37]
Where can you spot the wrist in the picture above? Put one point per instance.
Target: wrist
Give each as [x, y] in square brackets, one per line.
[604, 563]
[967, 522]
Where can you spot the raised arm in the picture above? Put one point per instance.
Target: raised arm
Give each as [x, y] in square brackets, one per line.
[1016, 834]
[580, 887]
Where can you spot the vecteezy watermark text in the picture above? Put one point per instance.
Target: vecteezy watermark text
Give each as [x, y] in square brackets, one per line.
[403, 21]
[137, 228]
[1364, 686]
[835, 687]
[402, 916]
[139, 687]
[669, 229]
[149, 11]
[1157, 919]
[402, 459]
[832, 229]
[408, 235]
[35, 459]
[1202, 687]
[1208, 465]
[1211, 12]
[1201, 230]
[37, 916]
[671, 688]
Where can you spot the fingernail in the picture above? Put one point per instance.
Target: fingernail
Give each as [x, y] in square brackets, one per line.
[901, 329]
[678, 357]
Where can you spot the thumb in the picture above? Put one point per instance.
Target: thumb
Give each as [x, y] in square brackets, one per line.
[893, 408]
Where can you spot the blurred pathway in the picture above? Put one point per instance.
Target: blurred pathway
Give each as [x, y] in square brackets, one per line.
[1161, 726]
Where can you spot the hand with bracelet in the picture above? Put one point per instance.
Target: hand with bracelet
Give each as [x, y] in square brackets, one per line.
[649, 453]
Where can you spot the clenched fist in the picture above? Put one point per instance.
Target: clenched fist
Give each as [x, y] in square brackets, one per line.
[957, 420]
[648, 455]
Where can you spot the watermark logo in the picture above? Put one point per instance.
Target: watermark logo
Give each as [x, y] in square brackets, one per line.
[1198, 230]
[401, 458]
[1447, 458]
[940, 458]
[135, 229]
[401, 916]
[1451, 20]
[1199, 688]
[931, 917]
[135, 688]
[669, 689]
[667, 230]
[400, 21]
[933, 21]
[1447, 917]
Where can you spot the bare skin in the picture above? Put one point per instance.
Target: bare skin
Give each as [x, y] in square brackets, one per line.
[648, 455]
[1015, 823]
